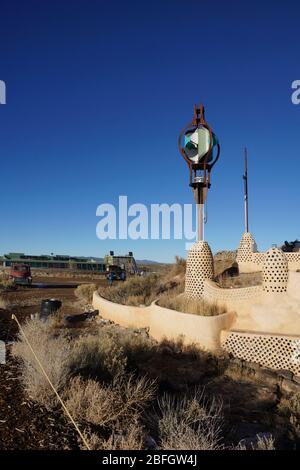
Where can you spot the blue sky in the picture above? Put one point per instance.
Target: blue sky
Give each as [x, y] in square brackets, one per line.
[97, 94]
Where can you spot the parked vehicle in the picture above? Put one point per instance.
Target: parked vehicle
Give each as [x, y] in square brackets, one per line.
[20, 274]
[116, 273]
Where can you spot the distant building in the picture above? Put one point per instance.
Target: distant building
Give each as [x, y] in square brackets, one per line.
[54, 262]
[126, 262]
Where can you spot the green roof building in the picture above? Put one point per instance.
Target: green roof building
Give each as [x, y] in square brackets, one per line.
[54, 262]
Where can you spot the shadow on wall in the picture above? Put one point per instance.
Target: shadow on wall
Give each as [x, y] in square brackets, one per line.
[166, 323]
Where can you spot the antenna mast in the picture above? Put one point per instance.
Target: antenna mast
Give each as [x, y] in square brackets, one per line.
[245, 178]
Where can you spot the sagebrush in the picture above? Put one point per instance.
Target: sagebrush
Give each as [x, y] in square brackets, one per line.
[189, 422]
[54, 354]
[137, 290]
[85, 292]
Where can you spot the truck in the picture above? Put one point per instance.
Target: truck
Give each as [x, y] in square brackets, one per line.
[20, 274]
[118, 273]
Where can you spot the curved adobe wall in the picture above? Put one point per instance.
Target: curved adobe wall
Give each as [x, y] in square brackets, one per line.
[293, 261]
[166, 323]
[239, 300]
[212, 292]
[250, 260]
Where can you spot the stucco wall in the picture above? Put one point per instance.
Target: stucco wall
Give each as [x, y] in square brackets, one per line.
[238, 300]
[213, 292]
[166, 323]
[275, 351]
[259, 311]
[250, 260]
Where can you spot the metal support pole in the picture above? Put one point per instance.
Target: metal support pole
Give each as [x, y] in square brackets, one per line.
[199, 198]
[245, 177]
[200, 222]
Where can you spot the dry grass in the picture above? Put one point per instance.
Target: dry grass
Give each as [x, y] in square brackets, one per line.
[243, 280]
[131, 438]
[109, 406]
[6, 284]
[135, 291]
[167, 288]
[98, 355]
[52, 351]
[102, 355]
[111, 351]
[85, 292]
[108, 379]
[3, 303]
[262, 443]
[189, 423]
[183, 304]
[223, 260]
[174, 276]
[290, 407]
[179, 267]
[140, 291]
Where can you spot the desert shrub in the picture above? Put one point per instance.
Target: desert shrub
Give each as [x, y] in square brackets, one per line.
[223, 260]
[134, 341]
[137, 346]
[179, 266]
[189, 423]
[264, 443]
[261, 443]
[184, 304]
[106, 353]
[290, 407]
[3, 303]
[131, 438]
[174, 275]
[53, 353]
[100, 355]
[243, 280]
[110, 405]
[111, 351]
[85, 292]
[6, 284]
[135, 300]
[134, 291]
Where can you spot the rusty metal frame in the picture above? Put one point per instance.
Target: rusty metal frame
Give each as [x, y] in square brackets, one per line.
[197, 122]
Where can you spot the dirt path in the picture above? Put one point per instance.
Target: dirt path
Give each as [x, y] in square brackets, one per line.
[26, 301]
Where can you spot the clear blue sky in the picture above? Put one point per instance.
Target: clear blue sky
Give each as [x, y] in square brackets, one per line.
[97, 93]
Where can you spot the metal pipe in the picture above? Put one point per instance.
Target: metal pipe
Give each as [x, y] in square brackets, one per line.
[200, 208]
[199, 199]
[245, 177]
